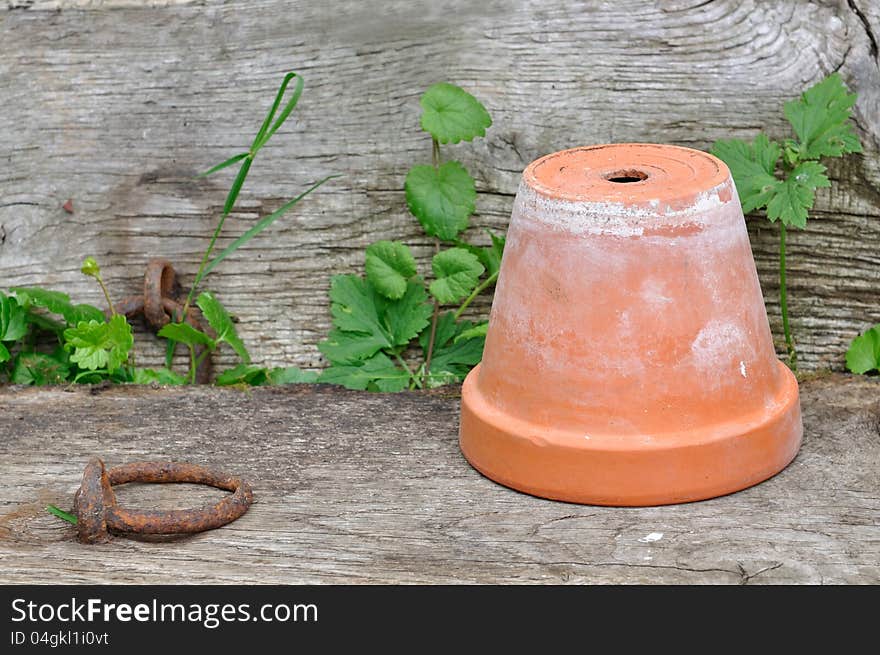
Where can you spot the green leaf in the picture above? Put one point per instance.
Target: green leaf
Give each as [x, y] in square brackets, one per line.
[450, 114]
[186, 333]
[389, 265]
[795, 195]
[356, 306]
[100, 345]
[366, 322]
[237, 183]
[220, 167]
[4, 353]
[159, 376]
[820, 118]
[266, 132]
[258, 227]
[864, 352]
[40, 369]
[479, 330]
[378, 372]
[447, 328]
[219, 319]
[13, 319]
[360, 333]
[490, 256]
[441, 198]
[170, 347]
[457, 272]
[752, 167]
[454, 353]
[406, 317]
[61, 514]
[242, 374]
[351, 347]
[43, 322]
[58, 303]
[291, 375]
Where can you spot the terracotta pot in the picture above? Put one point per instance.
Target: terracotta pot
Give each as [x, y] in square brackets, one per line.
[629, 360]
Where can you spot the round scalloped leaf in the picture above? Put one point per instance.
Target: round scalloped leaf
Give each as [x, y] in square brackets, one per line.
[457, 272]
[389, 265]
[442, 199]
[451, 114]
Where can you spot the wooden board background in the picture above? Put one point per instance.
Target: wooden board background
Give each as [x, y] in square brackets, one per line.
[116, 104]
[354, 487]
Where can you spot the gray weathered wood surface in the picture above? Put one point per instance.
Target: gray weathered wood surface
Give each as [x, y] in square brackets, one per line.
[368, 488]
[117, 105]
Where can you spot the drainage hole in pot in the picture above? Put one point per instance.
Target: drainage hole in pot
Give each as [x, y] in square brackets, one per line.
[627, 176]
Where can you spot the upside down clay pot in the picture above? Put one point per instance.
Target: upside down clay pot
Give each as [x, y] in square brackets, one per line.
[628, 359]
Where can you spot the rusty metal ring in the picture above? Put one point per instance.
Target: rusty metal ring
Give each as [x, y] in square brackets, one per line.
[159, 283]
[98, 513]
[160, 303]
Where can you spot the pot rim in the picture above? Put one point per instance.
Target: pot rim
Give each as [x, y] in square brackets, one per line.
[652, 175]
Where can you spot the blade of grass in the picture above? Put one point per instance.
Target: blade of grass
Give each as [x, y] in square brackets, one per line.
[236, 186]
[259, 227]
[61, 514]
[230, 201]
[297, 92]
[268, 120]
[220, 167]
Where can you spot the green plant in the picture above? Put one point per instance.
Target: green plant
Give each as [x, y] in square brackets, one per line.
[376, 319]
[91, 348]
[224, 329]
[180, 331]
[270, 125]
[51, 341]
[783, 178]
[863, 355]
[61, 514]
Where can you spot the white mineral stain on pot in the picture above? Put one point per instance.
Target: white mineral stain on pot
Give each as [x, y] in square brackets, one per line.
[652, 537]
[652, 292]
[742, 368]
[612, 218]
[716, 341]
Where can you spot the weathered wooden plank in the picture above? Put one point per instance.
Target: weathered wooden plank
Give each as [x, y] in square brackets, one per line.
[368, 488]
[118, 106]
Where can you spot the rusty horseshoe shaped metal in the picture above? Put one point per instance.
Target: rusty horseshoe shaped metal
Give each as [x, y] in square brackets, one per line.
[161, 303]
[98, 513]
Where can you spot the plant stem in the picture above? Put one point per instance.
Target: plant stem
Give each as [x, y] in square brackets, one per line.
[192, 364]
[434, 319]
[476, 292]
[402, 362]
[435, 160]
[201, 357]
[204, 262]
[83, 374]
[783, 302]
[106, 295]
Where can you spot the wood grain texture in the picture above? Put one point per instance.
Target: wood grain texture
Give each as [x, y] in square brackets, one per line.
[117, 106]
[371, 488]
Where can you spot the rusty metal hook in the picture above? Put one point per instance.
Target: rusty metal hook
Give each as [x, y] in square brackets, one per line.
[98, 513]
[160, 304]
